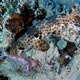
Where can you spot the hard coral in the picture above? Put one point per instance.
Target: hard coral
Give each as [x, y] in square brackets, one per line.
[69, 49]
[67, 53]
[15, 23]
[27, 14]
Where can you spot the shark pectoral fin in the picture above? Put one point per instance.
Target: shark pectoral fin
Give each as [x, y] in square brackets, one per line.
[41, 45]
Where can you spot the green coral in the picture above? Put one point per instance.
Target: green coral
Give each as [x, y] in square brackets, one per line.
[61, 44]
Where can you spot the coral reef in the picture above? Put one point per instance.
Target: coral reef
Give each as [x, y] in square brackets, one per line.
[39, 39]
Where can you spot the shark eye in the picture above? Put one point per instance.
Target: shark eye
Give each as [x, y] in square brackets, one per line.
[36, 35]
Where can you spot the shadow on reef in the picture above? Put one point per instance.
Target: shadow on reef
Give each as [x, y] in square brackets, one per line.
[2, 77]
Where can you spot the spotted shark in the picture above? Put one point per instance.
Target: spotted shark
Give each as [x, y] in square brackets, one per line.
[66, 27]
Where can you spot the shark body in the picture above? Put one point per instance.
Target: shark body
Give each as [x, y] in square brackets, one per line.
[65, 26]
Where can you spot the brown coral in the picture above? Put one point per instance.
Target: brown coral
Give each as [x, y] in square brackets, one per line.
[15, 23]
[69, 49]
[27, 14]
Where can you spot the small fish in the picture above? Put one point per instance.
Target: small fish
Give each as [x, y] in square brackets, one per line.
[66, 27]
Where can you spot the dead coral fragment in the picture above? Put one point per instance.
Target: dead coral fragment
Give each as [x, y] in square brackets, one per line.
[67, 53]
[40, 13]
[69, 49]
[64, 60]
[2, 9]
[41, 45]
